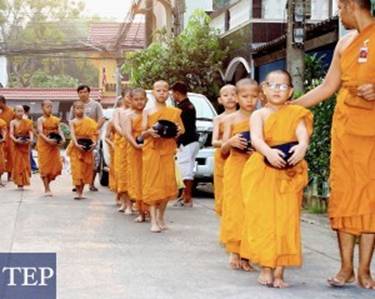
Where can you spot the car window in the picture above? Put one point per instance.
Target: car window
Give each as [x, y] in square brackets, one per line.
[202, 105]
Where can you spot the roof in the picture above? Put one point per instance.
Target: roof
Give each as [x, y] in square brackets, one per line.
[41, 94]
[313, 30]
[106, 34]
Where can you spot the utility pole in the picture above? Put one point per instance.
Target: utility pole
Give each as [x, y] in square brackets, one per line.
[149, 7]
[178, 16]
[295, 42]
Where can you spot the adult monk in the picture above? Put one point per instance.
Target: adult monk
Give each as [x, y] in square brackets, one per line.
[7, 114]
[352, 201]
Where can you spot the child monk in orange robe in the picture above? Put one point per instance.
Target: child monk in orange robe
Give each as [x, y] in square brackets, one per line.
[7, 114]
[133, 130]
[3, 132]
[159, 176]
[21, 133]
[50, 164]
[236, 147]
[109, 139]
[120, 152]
[228, 100]
[272, 192]
[81, 157]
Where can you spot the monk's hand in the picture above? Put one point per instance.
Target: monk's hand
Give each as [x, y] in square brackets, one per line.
[179, 131]
[80, 147]
[237, 142]
[92, 147]
[299, 152]
[275, 157]
[52, 141]
[153, 133]
[367, 91]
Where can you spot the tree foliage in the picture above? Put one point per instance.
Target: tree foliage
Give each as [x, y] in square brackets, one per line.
[195, 57]
[42, 23]
[318, 156]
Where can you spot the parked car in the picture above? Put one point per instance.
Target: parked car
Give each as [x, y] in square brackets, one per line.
[204, 164]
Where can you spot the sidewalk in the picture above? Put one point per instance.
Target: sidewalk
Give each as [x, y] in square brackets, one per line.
[103, 254]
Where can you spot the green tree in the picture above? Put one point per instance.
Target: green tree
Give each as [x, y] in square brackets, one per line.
[318, 156]
[195, 57]
[42, 23]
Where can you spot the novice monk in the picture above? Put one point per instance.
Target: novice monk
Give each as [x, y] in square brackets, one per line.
[21, 133]
[81, 158]
[237, 147]
[159, 177]
[3, 137]
[109, 139]
[273, 194]
[50, 164]
[7, 114]
[133, 130]
[352, 178]
[120, 159]
[228, 100]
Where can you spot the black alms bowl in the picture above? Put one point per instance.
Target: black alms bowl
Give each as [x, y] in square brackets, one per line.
[285, 148]
[165, 128]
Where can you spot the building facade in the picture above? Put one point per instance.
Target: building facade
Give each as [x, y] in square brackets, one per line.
[254, 31]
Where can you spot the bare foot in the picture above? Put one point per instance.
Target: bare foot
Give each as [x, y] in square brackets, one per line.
[279, 283]
[265, 277]
[140, 219]
[121, 209]
[365, 281]
[235, 261]
[246, 266]
[155, 228]
[128, 212]
[342, 278]
[48, 194]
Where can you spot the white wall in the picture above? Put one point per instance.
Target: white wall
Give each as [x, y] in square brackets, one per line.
[320, 9]
[3, 71]
[218, 23]
[274, 9]
[240, 13]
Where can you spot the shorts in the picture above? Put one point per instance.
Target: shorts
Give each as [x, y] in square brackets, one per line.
[186, 159]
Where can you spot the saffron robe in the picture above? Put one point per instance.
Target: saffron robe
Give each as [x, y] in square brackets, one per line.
[158, 174]
[3, 125]
[352, 180]
[21, 171]
[49, 159]
[82, 162]
[120, 163]
[112, 175]
[219, 175]
[7, 115]
[273, 197]
[232, 205]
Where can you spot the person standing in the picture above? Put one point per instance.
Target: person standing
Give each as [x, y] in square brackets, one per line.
[188, 145]
[7, 114]
[352, 179]
[93, 110]
[34, 166]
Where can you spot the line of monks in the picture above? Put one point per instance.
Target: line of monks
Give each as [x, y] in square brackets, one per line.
[259, 186]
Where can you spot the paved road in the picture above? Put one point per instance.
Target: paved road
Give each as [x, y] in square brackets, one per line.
[103, 254]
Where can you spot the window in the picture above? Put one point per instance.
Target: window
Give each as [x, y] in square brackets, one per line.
[257, 9]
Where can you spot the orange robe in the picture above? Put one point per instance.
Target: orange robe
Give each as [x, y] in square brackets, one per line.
[82, 162]
[8, 114]
[219, 175]
[135, 165]
[273, 197]
[232, 205]
[3, 125]
[21, 171]
[159, 176]
[352, 200]
[112, 177]
[50, 164]
[120, 163]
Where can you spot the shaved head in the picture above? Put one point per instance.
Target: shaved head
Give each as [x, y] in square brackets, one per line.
[365, 4]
